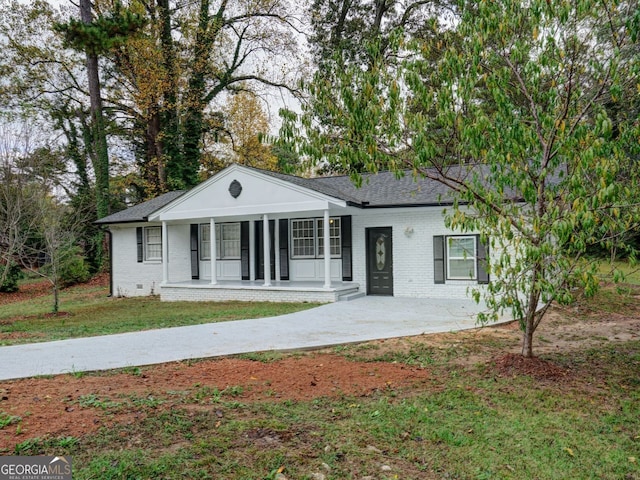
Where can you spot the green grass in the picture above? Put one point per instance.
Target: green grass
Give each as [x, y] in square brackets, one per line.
[91, 312]
[470, 424]
[631, 273]
[467, 422]
[6, 419]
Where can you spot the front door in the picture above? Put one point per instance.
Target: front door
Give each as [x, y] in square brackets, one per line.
[379, 261]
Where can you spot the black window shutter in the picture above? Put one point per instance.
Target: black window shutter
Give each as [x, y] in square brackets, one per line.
[195, 247]
[140, 246]
[244, 250]
[272, 250]
[483, 259]
[438, 259]
[346, 247]
[259, 250]
[284, 248]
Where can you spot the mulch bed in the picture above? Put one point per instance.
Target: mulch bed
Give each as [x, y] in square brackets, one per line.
[511, 365]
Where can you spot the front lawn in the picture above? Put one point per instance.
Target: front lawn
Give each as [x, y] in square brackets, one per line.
[86, 310]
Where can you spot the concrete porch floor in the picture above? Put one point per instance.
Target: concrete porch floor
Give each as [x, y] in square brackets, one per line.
[277, 291]
[363, 319]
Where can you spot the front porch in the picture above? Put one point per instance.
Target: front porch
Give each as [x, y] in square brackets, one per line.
[257, 291]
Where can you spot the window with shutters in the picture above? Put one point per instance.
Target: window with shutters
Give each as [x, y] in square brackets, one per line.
[152, 244]
[461, 258]
[307, 238]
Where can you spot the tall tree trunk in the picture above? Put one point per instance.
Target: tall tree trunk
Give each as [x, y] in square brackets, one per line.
[171, 143]
[185, 173]
[530, 321]
[56, 298]
[527, 338]
[101, 159]
[155, 156]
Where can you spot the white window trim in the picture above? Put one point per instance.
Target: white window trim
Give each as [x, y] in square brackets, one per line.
[146, 244]
[473, 257]
[314, 238]
[220, 239]
[205, 253]
[316, 221]
[320, 221]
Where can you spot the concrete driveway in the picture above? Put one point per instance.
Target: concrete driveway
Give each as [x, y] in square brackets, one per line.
[363, 319]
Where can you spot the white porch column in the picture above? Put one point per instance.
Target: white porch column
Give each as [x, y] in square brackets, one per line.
[276, 247]
[266, 250]
[252, 250]
[165, 253]
[327, 250]
[212, 250]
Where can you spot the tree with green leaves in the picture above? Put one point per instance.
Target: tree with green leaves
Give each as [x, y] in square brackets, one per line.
[343, 32]
[513, 115]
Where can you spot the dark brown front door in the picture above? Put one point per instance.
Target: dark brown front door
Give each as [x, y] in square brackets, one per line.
[379, 261]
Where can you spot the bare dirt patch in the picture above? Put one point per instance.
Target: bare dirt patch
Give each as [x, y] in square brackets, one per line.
[43, 287]
[58, 406]
[26, 292]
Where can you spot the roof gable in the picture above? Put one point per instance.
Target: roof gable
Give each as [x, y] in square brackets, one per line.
[254, 192]
[263, 191]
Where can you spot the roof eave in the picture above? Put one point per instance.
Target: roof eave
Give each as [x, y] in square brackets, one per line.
[366, 205]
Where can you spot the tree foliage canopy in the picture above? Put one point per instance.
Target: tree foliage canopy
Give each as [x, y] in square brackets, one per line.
[521, 108]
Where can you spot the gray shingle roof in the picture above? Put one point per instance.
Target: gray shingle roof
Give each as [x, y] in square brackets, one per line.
[326, 188]
[384, 189]
[140, 212]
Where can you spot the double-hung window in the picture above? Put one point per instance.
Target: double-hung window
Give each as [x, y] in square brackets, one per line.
[334, 237]
[229, 234]
[152, 244]
[461, 258]
[303, 238]
[307, 238]
[227, 241]
[205, 241]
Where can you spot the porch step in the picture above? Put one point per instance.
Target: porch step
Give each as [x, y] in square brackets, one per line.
[350, 296]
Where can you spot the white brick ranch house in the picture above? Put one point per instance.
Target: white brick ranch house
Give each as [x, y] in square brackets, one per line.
[210, 243]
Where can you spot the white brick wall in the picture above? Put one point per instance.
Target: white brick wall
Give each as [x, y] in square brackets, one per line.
[132, 279]
[175, 293]
[413, 232]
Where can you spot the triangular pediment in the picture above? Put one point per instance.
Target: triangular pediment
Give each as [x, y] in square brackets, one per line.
[240, 191]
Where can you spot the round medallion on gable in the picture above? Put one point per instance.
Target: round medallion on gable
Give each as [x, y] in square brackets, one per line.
[235, 189]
